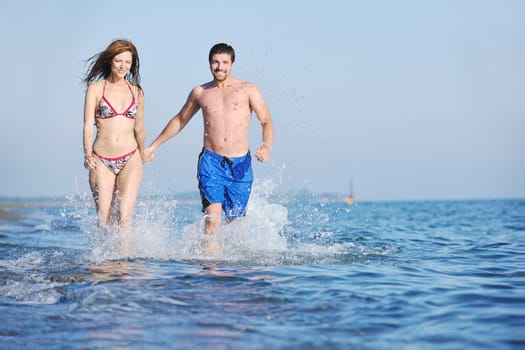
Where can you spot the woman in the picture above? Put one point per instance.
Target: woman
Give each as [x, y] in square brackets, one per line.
[114, 103]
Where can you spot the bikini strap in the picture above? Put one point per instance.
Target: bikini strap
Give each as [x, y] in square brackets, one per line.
[129, 87]
[131, 90]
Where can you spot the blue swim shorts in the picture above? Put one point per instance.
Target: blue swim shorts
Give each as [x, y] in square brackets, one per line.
[225, 180]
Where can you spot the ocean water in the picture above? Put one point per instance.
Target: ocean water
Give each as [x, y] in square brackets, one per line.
[298, 272]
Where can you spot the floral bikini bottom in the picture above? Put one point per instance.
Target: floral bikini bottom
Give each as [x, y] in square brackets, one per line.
[118, 163]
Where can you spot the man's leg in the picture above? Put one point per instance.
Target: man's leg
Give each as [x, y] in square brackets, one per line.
[213, 218]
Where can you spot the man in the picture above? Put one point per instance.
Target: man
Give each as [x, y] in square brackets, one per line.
[224, 168]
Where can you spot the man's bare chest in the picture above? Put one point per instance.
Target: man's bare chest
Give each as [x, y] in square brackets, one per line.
[228, 101]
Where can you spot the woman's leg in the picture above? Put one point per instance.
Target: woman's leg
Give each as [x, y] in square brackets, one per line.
[128, 184]
[102, 184]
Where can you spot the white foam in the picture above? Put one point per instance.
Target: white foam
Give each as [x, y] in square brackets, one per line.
[25, 285]
[161, 231]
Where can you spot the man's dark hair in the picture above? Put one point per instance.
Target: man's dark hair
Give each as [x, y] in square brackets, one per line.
[222, 48]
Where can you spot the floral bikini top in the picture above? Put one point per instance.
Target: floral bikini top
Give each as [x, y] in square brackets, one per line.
[105, 110]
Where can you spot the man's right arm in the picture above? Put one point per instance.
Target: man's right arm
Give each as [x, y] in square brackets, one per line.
[176, 124]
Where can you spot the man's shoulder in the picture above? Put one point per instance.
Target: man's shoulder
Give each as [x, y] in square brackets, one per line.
[243, 85]
[202, 87]
[197, 90]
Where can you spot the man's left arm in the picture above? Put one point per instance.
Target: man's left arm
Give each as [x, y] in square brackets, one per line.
[259, 106]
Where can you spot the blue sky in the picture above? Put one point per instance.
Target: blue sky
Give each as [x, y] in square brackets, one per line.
[410, 99]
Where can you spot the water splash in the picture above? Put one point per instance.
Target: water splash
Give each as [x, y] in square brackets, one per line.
[172, 229]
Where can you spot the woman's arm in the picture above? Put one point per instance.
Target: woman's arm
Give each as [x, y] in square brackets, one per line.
[140, 128]
[89, 126]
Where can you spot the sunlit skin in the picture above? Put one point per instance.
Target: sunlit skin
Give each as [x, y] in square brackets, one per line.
[114, 137]
[227, 104]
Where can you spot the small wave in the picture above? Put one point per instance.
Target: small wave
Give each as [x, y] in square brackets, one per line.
[30, 291]
[24, 284]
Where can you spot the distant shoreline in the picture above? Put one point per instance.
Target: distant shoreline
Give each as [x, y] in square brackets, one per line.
[193, 198]
[9, 215]
[33, 203]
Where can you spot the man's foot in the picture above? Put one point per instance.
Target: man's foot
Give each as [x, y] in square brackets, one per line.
[210, 245]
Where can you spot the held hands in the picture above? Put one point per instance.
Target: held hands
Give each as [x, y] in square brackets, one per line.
[149, 154]
[263, 153]
[90, 163]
